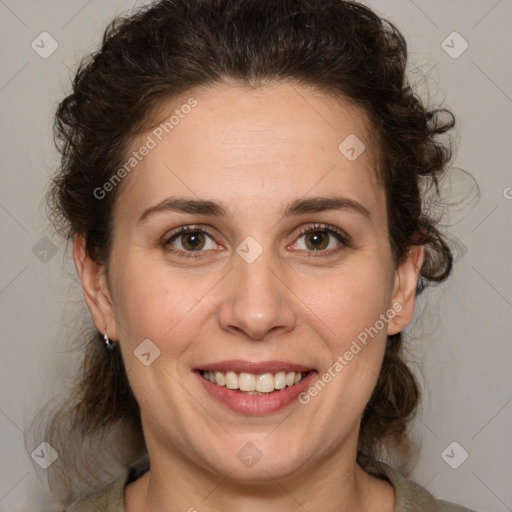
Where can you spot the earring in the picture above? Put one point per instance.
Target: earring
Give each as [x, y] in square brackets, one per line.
[108, 343]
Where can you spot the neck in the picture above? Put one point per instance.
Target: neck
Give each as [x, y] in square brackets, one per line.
[330, 485]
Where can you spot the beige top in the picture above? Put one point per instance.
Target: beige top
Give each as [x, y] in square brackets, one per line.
[409, 496]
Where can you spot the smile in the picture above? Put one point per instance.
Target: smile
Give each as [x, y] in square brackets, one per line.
[254, 384]
[255, 388]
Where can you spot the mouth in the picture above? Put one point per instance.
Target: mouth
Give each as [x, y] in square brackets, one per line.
[252, 388]
[254, 384]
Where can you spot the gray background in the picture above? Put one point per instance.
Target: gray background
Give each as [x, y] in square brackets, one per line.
[461, 338]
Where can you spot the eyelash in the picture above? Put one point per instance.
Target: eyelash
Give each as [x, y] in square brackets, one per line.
[339, 235]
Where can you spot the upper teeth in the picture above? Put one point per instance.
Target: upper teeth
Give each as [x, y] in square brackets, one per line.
[264, 383]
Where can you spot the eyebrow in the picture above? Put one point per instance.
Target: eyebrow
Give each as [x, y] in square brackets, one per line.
[216, 209]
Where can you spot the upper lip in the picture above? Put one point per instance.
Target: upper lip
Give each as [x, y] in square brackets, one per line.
[254, 367]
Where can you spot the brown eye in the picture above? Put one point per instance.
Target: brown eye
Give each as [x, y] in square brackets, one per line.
[192, 241]
[317, 240]
[322, 239]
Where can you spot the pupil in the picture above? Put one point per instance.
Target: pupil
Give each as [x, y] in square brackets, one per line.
[192, 240]
[316, 239]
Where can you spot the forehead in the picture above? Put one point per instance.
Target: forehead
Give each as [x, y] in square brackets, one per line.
[267, 145]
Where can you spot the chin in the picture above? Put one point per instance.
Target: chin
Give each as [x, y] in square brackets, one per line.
[260, 460]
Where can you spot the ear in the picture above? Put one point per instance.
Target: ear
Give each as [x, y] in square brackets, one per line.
[404, 292]
[95, 288]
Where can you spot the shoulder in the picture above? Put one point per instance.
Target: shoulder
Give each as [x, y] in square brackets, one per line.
[109, 498]
[409, 496]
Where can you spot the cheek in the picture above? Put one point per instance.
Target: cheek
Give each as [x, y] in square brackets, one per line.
[349, 316]
[151, 303]
[353, 300]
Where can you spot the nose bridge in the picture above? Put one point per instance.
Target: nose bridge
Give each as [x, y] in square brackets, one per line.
[256, 300]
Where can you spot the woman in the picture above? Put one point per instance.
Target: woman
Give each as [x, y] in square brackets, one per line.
[249, 356]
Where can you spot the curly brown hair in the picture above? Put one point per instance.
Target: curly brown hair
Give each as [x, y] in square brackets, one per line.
[167, 49]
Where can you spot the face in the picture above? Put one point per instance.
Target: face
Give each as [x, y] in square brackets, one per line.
[248, 243]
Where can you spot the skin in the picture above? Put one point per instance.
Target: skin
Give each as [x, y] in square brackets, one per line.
[255, 151]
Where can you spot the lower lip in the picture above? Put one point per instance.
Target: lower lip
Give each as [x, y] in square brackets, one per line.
[257, 404]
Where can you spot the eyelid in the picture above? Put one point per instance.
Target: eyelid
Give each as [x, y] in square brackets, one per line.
[189, 228]
[341, 235]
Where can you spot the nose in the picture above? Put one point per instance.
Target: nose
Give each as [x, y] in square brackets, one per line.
[257, 302]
